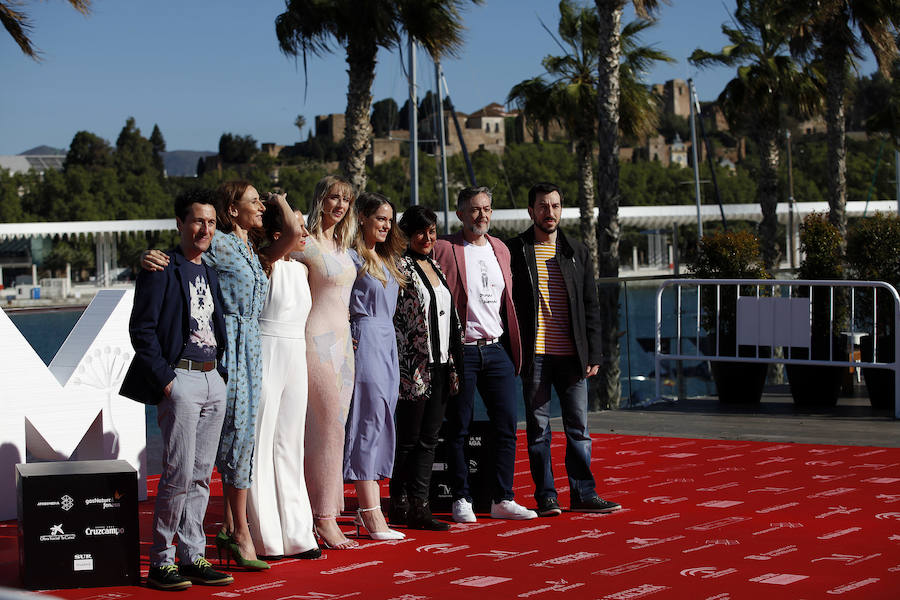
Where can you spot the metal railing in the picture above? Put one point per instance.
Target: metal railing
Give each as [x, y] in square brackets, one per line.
[777, 321]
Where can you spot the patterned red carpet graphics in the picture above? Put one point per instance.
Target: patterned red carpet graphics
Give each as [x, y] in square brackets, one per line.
[703, 519]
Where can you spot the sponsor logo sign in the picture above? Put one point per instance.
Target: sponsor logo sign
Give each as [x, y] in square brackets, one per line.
[57, 535]
[114, 501]
[82, 562]
[101, 530]
[66, 502]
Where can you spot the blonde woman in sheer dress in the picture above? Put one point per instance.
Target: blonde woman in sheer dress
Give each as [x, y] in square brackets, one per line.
[329, 352]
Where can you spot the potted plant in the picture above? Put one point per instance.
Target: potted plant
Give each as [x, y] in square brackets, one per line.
[729, 255]
[873, 254]
[821, 246]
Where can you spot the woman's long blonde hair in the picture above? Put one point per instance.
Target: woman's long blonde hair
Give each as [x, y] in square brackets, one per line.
[345, 230]
[390, 250]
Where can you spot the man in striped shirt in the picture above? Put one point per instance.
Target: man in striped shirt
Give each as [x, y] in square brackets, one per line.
[558, 314]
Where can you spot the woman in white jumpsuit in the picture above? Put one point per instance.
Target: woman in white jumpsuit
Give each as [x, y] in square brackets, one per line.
[278, 507]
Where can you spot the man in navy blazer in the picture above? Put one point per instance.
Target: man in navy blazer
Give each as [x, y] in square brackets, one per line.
[178, 333]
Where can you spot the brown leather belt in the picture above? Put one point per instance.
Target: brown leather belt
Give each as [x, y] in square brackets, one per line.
[193, 365]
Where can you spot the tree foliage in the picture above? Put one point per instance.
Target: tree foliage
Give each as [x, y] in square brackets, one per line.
[237, 149]
[18, 25]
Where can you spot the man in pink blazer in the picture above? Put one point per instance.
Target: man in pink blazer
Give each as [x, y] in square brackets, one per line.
[477, 268]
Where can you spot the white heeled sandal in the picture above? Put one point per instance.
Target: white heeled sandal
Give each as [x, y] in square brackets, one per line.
[379, 536]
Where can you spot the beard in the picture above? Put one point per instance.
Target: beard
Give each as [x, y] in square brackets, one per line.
[474, 228]
[546, 228]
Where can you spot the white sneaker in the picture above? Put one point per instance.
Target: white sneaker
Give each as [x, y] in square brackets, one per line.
[462, 511]
[508, 509]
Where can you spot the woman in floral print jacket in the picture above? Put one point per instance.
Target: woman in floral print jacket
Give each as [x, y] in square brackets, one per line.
[429, 345]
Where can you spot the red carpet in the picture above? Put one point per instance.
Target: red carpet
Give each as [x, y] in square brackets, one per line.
[703, 519]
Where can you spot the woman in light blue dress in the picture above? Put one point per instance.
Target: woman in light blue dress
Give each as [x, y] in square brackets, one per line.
[370, 438]
[244, 287]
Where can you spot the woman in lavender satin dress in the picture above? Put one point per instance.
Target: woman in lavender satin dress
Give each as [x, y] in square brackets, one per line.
[370, 438]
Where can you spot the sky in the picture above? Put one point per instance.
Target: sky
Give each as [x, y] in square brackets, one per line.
[200, 68]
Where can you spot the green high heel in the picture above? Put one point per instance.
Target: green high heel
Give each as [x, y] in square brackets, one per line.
[225, 543]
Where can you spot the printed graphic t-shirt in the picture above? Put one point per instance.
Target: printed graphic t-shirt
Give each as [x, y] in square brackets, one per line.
[484, 286]
[201, 344]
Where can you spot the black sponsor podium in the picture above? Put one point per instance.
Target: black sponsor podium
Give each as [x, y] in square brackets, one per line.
[479, 455]
[78, 524]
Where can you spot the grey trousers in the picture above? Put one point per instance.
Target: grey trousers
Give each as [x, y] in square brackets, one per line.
[190, 421]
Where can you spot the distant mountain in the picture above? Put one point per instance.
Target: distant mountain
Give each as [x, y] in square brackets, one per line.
[44, 151]
[183, 163]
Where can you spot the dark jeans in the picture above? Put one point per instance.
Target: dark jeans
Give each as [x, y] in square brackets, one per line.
[418, 425]
[489, 369]
[563, 373]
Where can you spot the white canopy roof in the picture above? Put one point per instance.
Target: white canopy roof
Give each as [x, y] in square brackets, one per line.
[644, 217]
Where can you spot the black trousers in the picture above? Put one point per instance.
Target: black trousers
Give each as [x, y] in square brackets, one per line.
[418, 426]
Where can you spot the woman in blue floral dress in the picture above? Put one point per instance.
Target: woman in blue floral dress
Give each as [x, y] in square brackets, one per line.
[244, 287]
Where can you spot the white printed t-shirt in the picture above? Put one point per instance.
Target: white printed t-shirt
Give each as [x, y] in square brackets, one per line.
[484, 286]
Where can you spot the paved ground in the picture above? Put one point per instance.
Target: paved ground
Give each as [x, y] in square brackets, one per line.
[852, 422]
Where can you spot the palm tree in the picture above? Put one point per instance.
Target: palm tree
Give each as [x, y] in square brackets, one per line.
[300, 123]
[836, 31]
[308, 27]
[609, 42]
[19, 27]
[766, 80]
[570, 97]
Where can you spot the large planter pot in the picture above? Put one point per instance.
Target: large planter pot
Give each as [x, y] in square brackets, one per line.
[815, 386]
[879, 382]
[739, 383]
